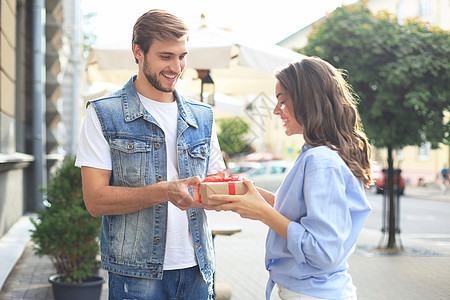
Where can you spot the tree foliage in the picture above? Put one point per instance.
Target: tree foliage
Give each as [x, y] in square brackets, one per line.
[65, 230]
[400, 73]
[89, 37]
[232, 136]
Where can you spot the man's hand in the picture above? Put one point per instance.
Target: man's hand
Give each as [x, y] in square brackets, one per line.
[178, 193]
[251, 205]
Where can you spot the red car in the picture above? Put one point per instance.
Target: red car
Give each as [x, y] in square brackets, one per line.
[380, 180]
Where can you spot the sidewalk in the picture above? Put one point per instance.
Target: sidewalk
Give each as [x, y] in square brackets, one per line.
[420, 274]
[24, 275]
[431, 192]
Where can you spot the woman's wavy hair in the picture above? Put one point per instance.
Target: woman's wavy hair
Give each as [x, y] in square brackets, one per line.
[157, 24]
[326, 108]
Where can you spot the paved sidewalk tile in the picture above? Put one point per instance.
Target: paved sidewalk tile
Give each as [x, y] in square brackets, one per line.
[240, 263]
[401, 277]
[29, 279]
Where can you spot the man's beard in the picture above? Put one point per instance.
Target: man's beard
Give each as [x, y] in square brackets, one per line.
[153, 80]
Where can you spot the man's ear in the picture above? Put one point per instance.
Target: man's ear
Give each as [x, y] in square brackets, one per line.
[137, 52]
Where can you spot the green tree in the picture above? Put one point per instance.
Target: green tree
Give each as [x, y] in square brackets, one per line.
[89, 37]
[64, 229]
[232, 136]
[400, 73]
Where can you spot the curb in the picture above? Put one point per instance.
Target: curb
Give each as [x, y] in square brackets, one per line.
[12, 245]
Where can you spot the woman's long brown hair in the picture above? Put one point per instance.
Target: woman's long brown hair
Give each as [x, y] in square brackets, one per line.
[324, 105]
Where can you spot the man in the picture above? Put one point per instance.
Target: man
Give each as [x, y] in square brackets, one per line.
[141, 149]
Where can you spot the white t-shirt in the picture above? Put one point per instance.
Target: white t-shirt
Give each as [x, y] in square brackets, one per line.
[94, 151]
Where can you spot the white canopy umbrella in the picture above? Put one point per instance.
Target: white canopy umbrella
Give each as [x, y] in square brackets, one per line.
[235, 66]
[213, 47]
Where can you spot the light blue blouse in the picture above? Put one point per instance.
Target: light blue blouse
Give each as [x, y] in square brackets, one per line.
[327, 207]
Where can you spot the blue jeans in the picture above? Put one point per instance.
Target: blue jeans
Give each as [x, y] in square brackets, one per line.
[183, 284]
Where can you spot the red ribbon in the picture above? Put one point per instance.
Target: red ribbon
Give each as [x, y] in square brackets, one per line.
[221, 177]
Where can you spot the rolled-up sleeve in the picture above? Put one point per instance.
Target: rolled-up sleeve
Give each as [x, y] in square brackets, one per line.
[318, 238]
[295, 233]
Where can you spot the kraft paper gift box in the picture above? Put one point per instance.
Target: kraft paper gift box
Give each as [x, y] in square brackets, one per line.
[204, 189]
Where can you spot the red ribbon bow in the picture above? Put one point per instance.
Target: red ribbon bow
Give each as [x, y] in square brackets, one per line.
[221, 177]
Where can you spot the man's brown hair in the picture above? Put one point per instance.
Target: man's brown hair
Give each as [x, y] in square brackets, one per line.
[157, 24]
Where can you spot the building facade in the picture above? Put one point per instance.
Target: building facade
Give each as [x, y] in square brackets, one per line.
[36, 70]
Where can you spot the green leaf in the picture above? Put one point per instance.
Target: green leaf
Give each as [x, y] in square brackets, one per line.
[65, 230]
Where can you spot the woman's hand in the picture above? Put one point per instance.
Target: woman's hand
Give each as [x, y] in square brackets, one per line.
[251, 205]
[254, 206]
[268, 196]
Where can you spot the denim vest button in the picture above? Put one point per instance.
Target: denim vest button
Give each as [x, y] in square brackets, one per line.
[159, 207]
[130, 146]
[159, 177]
[157, 240]
[157, 145]
[153, 272]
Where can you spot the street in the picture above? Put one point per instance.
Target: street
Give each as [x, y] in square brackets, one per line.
[419, 218]
[424, 228]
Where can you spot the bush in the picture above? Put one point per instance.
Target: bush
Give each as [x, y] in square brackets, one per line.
[64, 229]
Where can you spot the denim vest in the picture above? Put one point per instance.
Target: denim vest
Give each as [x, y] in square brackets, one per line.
[134, 244]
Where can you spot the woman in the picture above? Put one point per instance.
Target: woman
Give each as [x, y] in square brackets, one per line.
[320, 208]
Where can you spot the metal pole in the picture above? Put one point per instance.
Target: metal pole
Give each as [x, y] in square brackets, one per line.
[75, 61]
[383, 220]
[38, 96]
[19, 77]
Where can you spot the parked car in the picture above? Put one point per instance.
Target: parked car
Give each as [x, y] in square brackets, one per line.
[380, 180]
[243, 167]
[269, 175]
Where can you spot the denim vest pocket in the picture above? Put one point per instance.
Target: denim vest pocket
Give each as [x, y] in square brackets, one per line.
[198, 154]
[130, 156]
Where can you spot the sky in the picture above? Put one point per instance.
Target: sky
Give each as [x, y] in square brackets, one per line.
[267, 21]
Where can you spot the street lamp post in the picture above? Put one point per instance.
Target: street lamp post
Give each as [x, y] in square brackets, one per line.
[207, 87]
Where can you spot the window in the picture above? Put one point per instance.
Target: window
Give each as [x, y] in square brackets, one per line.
[401, 12]
[425, 7]
[277, 170]
[260, 171]
[399, 153]
[424, 151]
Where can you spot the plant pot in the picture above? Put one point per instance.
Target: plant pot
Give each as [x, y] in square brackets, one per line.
[90, 289]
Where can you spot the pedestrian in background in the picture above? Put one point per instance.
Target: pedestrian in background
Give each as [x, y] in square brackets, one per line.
[138, 150]
[320, 208]
[444, 178]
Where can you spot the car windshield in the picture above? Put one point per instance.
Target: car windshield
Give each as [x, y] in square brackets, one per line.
[259, 171]
[240, 169]
[277, 170]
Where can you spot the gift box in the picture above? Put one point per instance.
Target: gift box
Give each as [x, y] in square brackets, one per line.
[220, 184]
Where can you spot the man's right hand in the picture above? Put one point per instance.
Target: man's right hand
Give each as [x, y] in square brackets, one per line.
[102, 199]
[178, 193]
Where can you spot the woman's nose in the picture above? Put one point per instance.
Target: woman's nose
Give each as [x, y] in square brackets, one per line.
[276, 110]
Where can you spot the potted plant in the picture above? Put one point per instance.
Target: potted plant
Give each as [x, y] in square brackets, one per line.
[69, 235]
